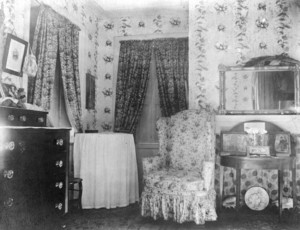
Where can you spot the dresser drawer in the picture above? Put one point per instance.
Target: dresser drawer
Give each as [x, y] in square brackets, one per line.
[33, 172]
[22, 117]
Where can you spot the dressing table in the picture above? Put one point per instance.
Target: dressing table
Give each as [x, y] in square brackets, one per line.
[241, 160]
[246, 95]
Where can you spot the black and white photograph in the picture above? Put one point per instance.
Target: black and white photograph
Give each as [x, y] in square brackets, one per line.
[149, 114]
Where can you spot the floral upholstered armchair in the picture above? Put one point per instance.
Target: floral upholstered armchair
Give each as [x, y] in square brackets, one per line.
[179, 182]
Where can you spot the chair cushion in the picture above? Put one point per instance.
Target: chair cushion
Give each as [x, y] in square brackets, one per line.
[174, 181]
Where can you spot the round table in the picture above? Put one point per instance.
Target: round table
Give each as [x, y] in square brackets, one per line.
[267, 163]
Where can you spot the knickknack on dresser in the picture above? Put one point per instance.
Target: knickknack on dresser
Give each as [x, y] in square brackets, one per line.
[33, 169]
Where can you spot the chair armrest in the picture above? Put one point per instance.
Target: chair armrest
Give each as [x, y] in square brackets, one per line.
[208, 174]
[151, 164]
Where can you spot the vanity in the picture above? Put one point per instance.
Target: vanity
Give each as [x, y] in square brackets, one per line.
[266, 91]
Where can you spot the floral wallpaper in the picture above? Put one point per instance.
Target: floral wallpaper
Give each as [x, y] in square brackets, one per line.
[241, 95]
[230, 32]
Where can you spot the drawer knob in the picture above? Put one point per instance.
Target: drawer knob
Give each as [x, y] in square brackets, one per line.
[59, 185]
[59, 206]
[10, 117]
[23, 118]
[8, 174]
[60, 142]
[40, 119]
[59, 164]
[7, 146]
[10, 145]
[9, 202]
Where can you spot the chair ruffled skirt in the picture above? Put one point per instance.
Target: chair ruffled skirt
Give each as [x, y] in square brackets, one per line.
[197, 207]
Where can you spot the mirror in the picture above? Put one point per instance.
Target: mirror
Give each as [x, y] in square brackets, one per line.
[263, 89]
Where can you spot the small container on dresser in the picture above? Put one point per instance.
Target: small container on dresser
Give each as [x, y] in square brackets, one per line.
[33, 169]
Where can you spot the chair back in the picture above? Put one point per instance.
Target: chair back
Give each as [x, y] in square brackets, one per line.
[187, 138]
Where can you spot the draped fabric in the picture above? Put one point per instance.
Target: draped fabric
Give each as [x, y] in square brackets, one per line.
[44, 47]
[68, 55]
[56, 42]
[133, 76]
[171, 56]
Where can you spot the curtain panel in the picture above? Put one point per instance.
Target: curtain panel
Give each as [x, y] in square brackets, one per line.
[133, 76]
[68, 56]
[56, 41]
[44, 47]
[171, 57]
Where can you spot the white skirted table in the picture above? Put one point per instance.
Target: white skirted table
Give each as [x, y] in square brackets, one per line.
[107, 164]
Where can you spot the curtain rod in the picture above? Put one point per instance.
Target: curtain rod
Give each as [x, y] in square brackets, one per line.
[72, 22]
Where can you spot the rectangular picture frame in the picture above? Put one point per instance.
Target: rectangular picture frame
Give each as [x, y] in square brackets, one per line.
[282, 144]
[14, 55]
[234, 143]
[90, 91]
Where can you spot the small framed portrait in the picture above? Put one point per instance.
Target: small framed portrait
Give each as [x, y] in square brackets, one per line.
[282, 143]
[14, 55]
[90, 91]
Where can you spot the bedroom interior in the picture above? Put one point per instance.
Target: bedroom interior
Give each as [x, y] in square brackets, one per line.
[149, 114]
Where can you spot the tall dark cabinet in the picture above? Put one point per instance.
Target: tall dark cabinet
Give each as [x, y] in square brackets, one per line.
[33, 169]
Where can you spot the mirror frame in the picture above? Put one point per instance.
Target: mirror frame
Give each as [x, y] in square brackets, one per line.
[222, 73]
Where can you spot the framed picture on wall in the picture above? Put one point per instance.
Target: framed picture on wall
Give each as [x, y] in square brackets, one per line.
[14, 55]
[90, 91]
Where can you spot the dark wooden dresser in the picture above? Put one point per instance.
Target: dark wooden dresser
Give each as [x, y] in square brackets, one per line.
[33, 168]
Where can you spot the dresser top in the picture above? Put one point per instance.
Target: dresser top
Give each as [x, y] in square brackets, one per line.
[33, 127]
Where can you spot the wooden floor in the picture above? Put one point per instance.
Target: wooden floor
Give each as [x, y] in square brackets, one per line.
[130, 218]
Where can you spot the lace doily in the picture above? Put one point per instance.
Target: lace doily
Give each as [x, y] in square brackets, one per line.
[257, 198]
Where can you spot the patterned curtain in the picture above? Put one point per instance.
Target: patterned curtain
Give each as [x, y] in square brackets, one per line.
[68, 56]
[56, 42]
[44, 47]
[132, 79]
[171, 57]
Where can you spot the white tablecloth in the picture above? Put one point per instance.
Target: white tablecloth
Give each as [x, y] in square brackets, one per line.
[107, 164]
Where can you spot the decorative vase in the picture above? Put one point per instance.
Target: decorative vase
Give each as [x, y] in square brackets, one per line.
[256, 139]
